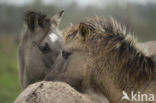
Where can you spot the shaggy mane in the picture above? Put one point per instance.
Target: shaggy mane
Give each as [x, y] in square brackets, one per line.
[134, 66]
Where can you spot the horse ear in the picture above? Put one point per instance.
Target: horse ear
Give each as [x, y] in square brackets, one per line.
[31, 20]
[83, 30]
[55, 20]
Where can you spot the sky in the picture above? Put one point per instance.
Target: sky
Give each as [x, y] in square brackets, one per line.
[79, 2]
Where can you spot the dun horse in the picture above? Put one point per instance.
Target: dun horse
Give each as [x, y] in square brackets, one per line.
[101, 56]
[39, 47]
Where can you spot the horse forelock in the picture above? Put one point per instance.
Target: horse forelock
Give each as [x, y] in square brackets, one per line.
[31, 18]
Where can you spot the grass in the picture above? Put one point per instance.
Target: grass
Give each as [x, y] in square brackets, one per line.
[9, 83]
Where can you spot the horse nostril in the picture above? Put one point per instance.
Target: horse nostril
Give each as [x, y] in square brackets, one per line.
[65, 54]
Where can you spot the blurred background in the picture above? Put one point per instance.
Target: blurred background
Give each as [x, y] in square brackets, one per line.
[139, 16]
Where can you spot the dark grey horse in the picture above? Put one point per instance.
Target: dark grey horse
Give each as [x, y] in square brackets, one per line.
[40, 45]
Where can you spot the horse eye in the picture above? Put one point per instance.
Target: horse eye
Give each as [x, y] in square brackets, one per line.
[45, 49]
[66, 54]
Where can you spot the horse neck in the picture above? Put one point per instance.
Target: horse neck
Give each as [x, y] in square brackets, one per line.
[110, 86]
[104, 81]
